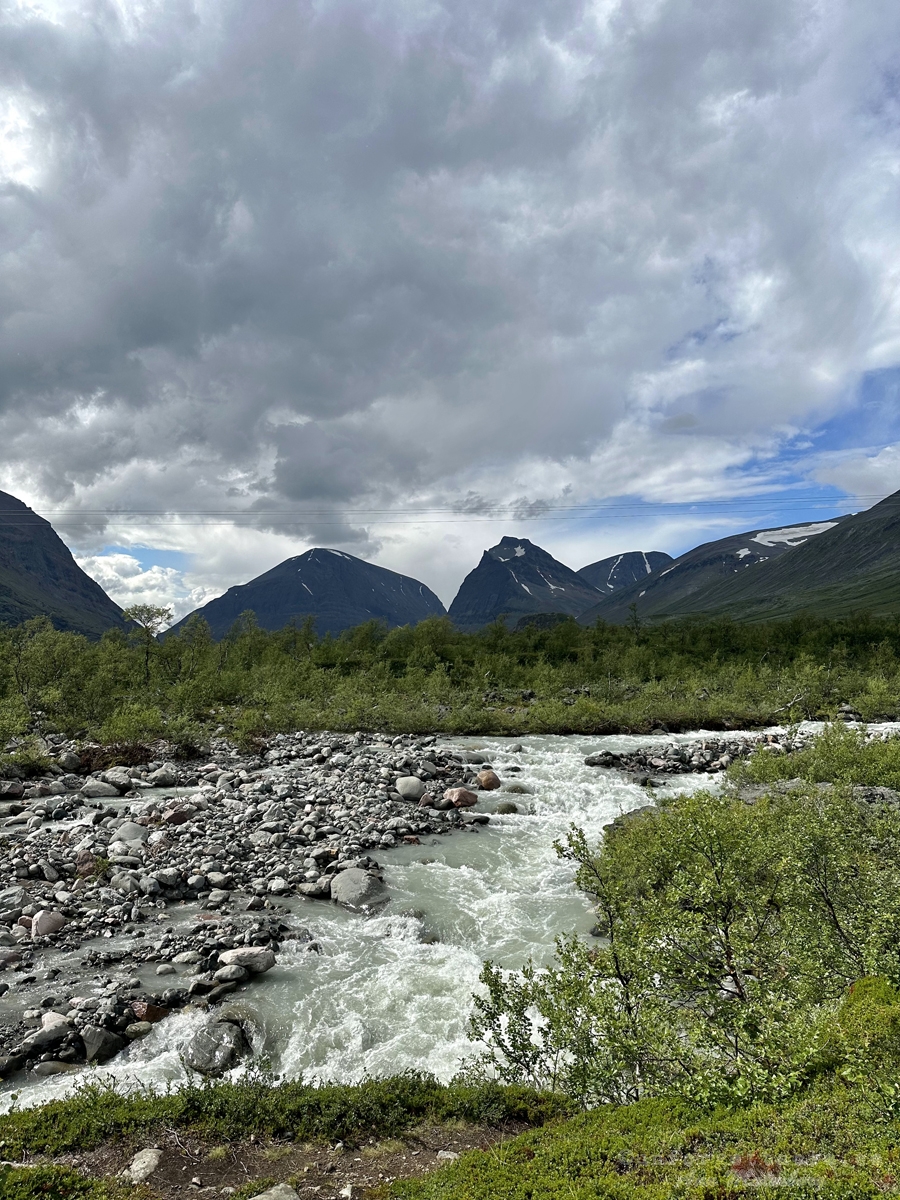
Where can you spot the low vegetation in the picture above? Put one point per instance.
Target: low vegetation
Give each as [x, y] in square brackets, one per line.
[131, 688]
[260, 1106]
[733, 1030]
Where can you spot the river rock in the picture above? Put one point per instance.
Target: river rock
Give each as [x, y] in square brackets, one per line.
[231, 974]
[12, 789]
[142, 1165]
[12, 897]
[410, 787]
[137, 1030]
[120, 778]
[358, 889]
[460, 797]
[316, 889]
[253, 958]
[281, 1191]
[130, 831]
[54, 1027]
[54, 1067]
[100, 1045]
[215, 1047]
[96, 789]
[488, 780]
[45, 922]
[165, 776]
[507, 808]
[144, 1011]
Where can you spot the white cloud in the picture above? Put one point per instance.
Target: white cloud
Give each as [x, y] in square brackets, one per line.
[353, 259]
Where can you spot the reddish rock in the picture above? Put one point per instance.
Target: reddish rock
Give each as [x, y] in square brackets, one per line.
[85, 863]
[460, 797]
[145, 1011]
[488, 780]
[177, 816]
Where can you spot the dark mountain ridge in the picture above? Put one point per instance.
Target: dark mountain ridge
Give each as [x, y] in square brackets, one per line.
[335, 588]
[39, 577]
[623, 570]
[514, 579]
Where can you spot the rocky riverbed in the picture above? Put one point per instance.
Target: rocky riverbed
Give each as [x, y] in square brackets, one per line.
[89, 857]
[139, 892]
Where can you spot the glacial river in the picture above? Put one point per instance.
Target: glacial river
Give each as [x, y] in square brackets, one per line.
[378, 999]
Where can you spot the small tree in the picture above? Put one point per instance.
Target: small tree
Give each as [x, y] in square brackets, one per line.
[150, 621]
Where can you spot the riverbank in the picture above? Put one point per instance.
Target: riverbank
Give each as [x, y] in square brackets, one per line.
[197, 914]
[831, 1132]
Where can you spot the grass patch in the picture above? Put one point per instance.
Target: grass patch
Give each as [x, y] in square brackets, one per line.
[60, 1183]
[225, 1112]
[823, 1145]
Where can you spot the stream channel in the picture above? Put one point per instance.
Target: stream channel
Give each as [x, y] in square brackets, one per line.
[377, 999]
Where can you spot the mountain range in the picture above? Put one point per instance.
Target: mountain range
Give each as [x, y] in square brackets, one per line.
[830, 568]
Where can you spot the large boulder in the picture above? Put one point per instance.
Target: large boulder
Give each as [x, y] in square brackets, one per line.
[45, 922]
[410, 787]
[215, 1047]
[120, 778]
[130, 831]
[100, 1045]
[358, 890]
[251, 958]
[54, 1027]
[488, 780]
[460, 797]
[142, 1166]
[164, 776]
[96, 789]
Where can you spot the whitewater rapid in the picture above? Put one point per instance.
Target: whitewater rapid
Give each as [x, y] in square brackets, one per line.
[378, 999]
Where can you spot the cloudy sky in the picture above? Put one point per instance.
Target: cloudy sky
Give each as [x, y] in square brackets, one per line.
[399, 278]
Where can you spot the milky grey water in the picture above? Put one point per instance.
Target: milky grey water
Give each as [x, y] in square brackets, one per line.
[378, 999]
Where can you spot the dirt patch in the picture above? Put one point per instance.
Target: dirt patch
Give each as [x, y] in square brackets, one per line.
[194, 1168]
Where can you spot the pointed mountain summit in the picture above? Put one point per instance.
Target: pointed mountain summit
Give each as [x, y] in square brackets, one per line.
[701, 580]
[340, 591]
[515, 579]
[40, 578]
[622, 570]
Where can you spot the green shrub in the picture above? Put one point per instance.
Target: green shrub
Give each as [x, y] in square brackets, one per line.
[733, 932]
[842, 754]
[61, 1183]
[258, 1105]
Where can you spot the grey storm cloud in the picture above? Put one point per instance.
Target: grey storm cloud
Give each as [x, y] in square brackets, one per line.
[352, 253]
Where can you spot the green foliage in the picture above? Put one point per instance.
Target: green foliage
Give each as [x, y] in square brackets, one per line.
[842, 754]
[821, 1145]
[733, 932]
[259, 1105]
[61, 1183]
[431, 677]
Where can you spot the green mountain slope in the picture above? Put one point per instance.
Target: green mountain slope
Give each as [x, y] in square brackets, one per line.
[851, 568]
[832, 569]
[39, 577]
[681, 586]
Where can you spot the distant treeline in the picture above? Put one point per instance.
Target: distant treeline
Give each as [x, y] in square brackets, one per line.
[130, 687]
